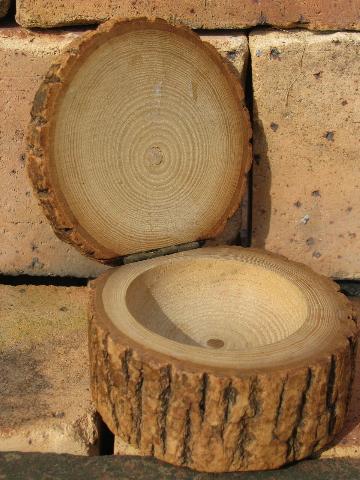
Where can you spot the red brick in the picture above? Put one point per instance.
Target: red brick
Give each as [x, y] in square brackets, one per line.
[319, 14]
[27, 243]
[306, 194]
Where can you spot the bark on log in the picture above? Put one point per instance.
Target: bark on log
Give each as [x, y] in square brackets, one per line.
[213, 418]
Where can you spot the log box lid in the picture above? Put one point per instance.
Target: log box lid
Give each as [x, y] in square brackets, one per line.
[139, 140]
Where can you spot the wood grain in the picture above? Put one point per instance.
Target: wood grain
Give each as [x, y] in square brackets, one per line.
[221, 359]
[139, 140]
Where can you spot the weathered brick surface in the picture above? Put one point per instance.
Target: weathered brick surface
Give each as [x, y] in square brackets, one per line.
[321, 14]
[45, 402]
[4, 7]
[27, 242]
[306, 193]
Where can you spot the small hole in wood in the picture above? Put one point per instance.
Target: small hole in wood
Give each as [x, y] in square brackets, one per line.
[215, 343]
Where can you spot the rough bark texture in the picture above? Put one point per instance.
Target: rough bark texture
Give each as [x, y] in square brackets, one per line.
[320, 14]
[213, 420]
[43, 114]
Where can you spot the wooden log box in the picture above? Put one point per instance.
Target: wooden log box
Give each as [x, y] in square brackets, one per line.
[219, 359]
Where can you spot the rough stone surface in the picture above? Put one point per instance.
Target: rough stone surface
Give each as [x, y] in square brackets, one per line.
[306, 148]
[40, 466]
[322, 14]
[45, 403]
[27, 242]
[4, 7]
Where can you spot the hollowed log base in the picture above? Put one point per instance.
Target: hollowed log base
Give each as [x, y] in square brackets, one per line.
[219, 419]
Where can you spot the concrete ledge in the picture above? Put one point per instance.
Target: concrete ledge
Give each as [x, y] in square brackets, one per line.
[65, 467]
[45, 403]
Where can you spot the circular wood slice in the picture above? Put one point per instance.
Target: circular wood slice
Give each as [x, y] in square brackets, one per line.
[221, 359]
[139, 140]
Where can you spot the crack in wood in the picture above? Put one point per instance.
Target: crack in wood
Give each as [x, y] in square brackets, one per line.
[292, 442]
[254, 396]
[165, 383]
[125, 359]
[243, 438]
[255, 408]
[353, 352]
[230, 394]
[279, 406]
[186, 450]
[229, 397]
[203, 392]
[138, 405]
[330, 403]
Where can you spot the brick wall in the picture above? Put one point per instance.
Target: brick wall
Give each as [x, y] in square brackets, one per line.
[306, 196]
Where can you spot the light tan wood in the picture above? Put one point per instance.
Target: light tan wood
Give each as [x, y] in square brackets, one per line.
[139, 140]
[221, 359]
